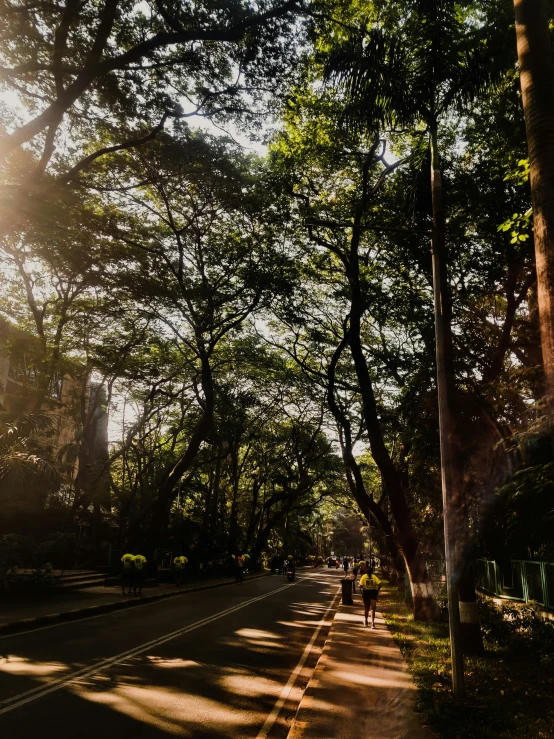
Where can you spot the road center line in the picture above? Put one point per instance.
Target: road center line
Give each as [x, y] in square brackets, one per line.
[272, 718]
[21, 699]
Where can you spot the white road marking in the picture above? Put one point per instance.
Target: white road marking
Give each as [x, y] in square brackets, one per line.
[21, 699]
[272, 718]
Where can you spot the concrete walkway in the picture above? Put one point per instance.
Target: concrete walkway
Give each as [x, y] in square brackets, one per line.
[361, 687]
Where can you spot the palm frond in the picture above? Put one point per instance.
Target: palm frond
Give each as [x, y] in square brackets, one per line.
[25, 424]
[393, 77]
[374, 77]
[20, 468]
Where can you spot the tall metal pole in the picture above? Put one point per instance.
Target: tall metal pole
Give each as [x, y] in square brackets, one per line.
[445, 425]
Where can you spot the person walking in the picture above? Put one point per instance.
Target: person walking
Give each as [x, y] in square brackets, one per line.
[179, 564]
[239, 572]
[370, 586]
[355, 568]
[345, 565]
[140, 573]
[127, 572]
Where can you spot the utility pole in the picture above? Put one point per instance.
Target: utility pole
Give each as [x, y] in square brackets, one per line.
[445, 420]
[445, 425]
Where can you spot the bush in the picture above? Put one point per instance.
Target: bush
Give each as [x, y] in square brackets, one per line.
[60, 549]
[520, 629]
[14, 550]
[17, 552]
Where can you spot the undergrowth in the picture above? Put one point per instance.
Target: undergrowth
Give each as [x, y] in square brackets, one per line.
[510, 691]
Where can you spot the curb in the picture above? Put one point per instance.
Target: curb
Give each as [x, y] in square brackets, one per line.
[15, 627]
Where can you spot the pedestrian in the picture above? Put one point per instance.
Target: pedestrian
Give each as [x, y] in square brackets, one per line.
[140, 573]
[239, 572]
[179, 565]
[127, 572]
[345, 565]
[290, 564]
[370, 586]
[355, 568]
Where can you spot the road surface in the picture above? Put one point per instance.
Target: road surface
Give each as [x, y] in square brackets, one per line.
[218, 664]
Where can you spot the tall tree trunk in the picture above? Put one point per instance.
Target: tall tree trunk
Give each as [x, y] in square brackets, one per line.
[235, 478]
[425, 607]
[365, 502]
[214, 503]
[255, 514]
[464, 624]
[159, 508]
[536, 71]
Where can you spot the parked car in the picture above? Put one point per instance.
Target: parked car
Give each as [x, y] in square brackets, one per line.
[332, 562]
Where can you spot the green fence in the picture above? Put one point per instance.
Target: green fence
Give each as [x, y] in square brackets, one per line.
[520, 580]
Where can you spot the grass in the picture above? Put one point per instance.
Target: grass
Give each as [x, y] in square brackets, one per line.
[509, 694]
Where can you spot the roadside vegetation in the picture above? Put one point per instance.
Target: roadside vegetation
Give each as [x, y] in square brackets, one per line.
[510, 690]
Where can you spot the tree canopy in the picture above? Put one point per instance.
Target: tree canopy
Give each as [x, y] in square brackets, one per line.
[221, 352]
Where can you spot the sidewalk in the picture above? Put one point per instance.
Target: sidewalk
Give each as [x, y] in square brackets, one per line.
[361, 686]
[59, 605]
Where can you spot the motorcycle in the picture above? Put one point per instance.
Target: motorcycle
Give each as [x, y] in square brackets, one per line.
[290, 574]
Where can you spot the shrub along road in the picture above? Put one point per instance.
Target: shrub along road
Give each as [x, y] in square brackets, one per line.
[220, 663]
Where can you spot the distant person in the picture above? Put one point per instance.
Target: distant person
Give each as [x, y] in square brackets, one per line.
[345, 565]
[140, 573]
[370, 586]
[355, 568]
[361, 570]
[239, 570]
[290, 564]
[179, 565]
[128, 562]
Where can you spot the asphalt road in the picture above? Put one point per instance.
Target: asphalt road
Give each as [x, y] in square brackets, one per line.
[224, 663]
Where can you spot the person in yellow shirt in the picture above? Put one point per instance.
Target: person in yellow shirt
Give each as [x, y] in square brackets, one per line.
[140, 573]
[127, 572]
[370, 586]
[179, 564]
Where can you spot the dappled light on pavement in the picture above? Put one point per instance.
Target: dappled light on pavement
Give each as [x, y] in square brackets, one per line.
[367, 668]
[14, 665]
[221, 682]
[172, 663]
[165, 708]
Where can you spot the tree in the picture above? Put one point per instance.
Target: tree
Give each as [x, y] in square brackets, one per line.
[337, 212]
[445, 66]
[200, 251]
[113, 74]
[536, 73]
